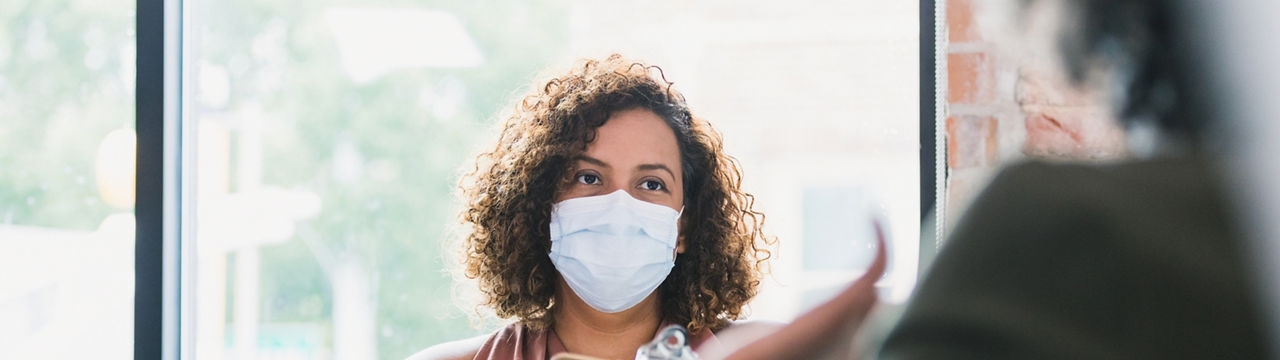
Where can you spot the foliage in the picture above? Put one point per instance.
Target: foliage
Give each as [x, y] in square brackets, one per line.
[395, 213]
[65, 82]
[66, 79]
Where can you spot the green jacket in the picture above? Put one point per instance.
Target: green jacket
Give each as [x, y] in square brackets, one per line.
[1138, 260]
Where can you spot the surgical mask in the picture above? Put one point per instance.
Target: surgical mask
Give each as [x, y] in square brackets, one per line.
[613, 250]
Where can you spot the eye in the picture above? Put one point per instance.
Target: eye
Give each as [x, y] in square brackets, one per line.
[588, 179]
[653, 185]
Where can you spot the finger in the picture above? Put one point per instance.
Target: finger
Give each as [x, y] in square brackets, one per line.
[879, 263]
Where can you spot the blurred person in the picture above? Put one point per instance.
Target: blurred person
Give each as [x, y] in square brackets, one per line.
[1065, 122]
[604, 212]
[1241, 49]
[1142, 258]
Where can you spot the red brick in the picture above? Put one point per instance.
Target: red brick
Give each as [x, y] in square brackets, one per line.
[971, 141]
[970, 78]
[960, 24]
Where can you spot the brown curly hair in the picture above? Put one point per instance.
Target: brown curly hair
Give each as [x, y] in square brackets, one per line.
[509, 193]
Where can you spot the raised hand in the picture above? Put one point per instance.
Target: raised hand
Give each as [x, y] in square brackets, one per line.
[821, 332]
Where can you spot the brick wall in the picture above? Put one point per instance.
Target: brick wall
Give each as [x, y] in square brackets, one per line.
[1009, 100]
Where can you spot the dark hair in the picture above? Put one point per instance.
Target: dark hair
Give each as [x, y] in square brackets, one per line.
[510, 192]
[1141, 42]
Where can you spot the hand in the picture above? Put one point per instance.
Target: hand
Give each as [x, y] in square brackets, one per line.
[828, 328]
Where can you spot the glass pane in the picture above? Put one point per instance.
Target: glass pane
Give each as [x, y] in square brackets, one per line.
[66, 178]
[331, 134]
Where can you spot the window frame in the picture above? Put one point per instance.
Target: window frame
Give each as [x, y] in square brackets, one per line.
[933, 147]
[157, 210]
[163, 257]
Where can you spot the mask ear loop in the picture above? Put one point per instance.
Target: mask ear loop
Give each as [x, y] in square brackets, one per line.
[675, 253]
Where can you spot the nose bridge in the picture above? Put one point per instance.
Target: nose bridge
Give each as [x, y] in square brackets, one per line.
[614, 186]
[618, 185]
[620, 197]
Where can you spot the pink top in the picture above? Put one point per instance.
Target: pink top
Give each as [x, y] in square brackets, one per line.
[515, 342]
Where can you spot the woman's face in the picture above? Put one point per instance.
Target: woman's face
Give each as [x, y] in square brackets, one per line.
[635, 151]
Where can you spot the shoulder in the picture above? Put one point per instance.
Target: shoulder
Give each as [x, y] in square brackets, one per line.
[464, 349]
[1038, 196]
[1043, 199]
[1154, 175]
[1039, 179]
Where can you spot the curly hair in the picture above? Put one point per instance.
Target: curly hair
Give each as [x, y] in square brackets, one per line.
[509, 193]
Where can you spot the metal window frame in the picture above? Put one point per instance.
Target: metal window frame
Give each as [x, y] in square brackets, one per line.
[933, 153]
[927, 96]
[163, 255]
[159, 249]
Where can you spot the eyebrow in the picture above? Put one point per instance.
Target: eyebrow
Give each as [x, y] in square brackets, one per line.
[598, 162]
[657, 167]
[592, 161]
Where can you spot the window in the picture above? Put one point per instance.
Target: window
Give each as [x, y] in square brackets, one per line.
[66, 178]
[330, 135]
[315, 147]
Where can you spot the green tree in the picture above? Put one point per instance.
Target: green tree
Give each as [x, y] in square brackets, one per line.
[66, 79]
[388, 223]
[65, 82]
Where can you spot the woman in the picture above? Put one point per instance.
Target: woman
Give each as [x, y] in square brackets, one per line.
[605, 211]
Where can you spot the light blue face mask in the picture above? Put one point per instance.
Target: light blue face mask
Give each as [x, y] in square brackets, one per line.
[613, 250]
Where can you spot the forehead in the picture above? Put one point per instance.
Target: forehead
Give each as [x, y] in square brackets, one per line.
[635, 135]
